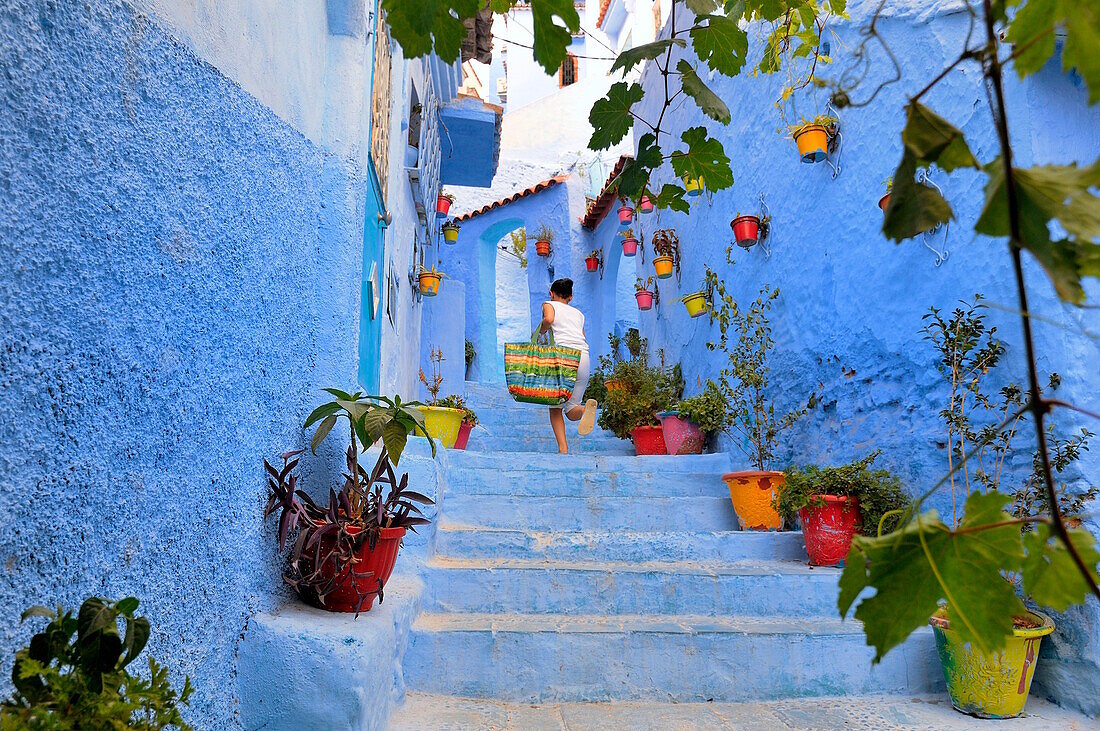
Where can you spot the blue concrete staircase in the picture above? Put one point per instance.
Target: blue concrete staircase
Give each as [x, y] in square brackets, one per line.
[601, 576]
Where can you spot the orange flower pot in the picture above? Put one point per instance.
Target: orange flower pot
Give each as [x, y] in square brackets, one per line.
[663, 265]
[883, 202]
[752, 492]
[813, 143]
[429, 283]
[542, 248]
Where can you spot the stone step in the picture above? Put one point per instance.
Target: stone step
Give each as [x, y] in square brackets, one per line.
[617, 545]
[597, 513]
[545, 443]
[566, 657]
[761, 588]
[911, 711]
[585, 463]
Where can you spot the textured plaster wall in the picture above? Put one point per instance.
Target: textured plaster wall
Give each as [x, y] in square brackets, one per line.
[181, 278]
[846, 325]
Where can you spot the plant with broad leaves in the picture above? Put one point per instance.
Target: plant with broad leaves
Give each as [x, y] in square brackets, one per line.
[882, 501]
[744, 381]
[74, 674]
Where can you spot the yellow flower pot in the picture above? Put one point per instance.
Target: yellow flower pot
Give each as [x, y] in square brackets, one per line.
[450, 234]
[429, 283]
[813, 143]
[990, 685]
[752, 492]
[442, 424]
[696, 303]
[693, 186]
[663, 265]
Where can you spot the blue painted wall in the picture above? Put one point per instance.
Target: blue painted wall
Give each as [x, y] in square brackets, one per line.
[181, 276]
[847, 322]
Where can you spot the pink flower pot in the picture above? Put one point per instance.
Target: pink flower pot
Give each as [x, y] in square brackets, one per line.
[630, 247]
[626, 215]
[645, 205]
[463, 435]
[645, 299]
[681, 436]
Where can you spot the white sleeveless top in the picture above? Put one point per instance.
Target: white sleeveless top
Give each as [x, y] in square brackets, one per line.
[568, 326]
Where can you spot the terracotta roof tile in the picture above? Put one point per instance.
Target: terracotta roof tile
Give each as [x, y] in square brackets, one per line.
[605, 200]
[604, 5]
[536, 188]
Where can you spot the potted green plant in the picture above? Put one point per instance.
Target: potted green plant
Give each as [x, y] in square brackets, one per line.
[643, 292]
[752, 420]
[74, 673]
[343, 552]
[666, 250]
[471, 354]
[469, 418]
[691, 421]
[631, 409]
[834, 503]
[543, 238]
[1030, 500]
[441, 422]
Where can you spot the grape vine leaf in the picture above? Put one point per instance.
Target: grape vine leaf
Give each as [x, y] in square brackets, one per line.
[1033, 34]
[672, 197]
[707, 100]
[927, 139]
[917, 566]
[721, 44]
[426, 25]
[631, 57]
[701, 7]
[1050, 575]
[1045, 193]
[704, 158]
[610, 117]
[632, 180]
[551, 40]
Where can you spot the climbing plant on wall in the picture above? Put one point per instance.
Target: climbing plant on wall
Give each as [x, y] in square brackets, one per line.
[1050, 211]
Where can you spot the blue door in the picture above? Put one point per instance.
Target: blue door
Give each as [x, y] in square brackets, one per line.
[371, 300]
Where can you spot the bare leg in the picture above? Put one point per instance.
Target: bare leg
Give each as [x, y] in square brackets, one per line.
[557, 423]
[575, 413]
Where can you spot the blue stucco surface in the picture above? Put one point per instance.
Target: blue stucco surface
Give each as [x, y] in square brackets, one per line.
[169, 308]
[846, 325]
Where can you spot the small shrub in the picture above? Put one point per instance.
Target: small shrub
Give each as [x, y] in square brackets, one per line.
[707, 410]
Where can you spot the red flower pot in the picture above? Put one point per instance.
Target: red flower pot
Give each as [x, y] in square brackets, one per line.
[592, 263]
[645, 205]
[746, 229]
[630, 247]
[645, 299]
[379, 563]
[463, 435]
[542, 248]
[883, 202]
[648, 440]
[828, 529]
[442, 205]
[626, 215]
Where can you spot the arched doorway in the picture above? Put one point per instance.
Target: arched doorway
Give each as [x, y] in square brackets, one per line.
[503, 301]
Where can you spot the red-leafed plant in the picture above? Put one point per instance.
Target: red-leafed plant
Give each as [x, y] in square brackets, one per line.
[330, 538]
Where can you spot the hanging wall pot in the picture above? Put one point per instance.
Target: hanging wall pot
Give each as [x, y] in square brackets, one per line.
[626, 215]
[812, 141]
[430, 282]
[746, 230]
[450, 232]
[693, 186]
[630, 244]
[443, 204]
[645, 205]
[592, 261]
[696, 303]
[664, 266]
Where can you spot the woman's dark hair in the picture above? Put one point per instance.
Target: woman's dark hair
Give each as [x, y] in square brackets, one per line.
[562, 288]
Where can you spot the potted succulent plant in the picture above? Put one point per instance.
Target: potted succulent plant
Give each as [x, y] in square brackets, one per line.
[626, 214]
[543, 238]
[884, 201]
[687, 426]
[443, 204]
[752, 419]
[812, 137]
[450, 232]
[469, 419]
[643, 292]
[430, 281]
[343, 552]
[631, 409]
[666, 247]
[441, 421]
[834, 503]
[630, 243]
[645, 205]
[592, 261]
